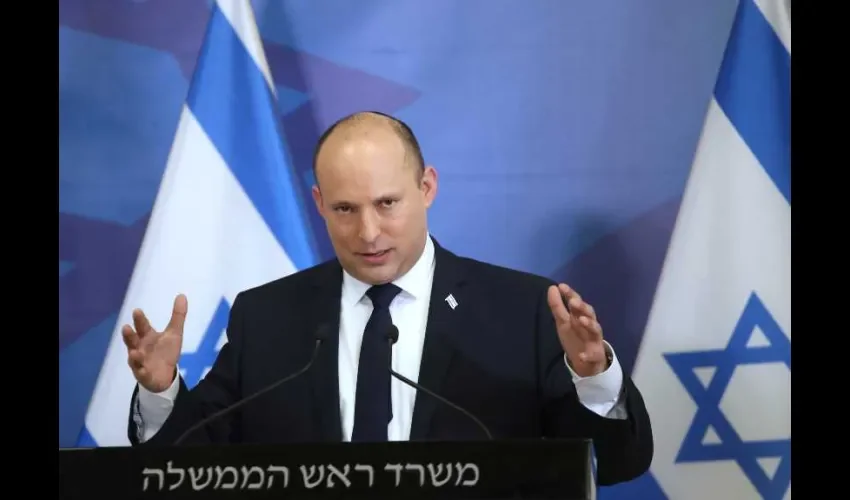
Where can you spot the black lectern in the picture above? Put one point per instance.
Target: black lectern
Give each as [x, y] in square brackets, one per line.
[537, 469]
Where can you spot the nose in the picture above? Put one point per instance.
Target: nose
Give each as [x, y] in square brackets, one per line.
[369, 226]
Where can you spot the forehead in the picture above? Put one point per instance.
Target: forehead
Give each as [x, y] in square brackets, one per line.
[361, 152]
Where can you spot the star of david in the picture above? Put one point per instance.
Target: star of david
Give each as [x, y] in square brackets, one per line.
[709, 414]
[193, 365]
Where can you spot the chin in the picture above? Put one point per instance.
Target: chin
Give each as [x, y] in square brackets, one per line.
[378, 275]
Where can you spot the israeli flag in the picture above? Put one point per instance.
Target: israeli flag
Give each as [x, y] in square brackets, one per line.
[227, 216]
[715, 362]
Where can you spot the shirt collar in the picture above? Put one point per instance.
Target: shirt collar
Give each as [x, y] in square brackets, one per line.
[414, 283]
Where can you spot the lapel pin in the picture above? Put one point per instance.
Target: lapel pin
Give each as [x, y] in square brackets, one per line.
[450, 300]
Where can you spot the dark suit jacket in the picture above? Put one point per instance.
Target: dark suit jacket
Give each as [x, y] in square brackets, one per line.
[497, 354]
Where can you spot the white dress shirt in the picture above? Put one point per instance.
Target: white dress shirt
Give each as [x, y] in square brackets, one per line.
[409, 310]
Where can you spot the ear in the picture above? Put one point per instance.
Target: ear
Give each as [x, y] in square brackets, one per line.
[429, 185]
[317, 199]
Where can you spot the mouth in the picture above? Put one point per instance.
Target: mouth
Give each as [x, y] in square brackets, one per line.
[374, 257]
[373, 254]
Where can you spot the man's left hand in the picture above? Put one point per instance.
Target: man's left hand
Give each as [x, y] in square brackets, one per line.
[579, 331]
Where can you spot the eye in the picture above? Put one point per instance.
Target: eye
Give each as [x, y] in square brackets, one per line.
[343, 209]
[387, 203]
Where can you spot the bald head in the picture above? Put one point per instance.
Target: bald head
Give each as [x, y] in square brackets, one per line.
[373, 126]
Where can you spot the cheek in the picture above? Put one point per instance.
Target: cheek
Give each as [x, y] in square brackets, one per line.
[340, 227]
[399, 224]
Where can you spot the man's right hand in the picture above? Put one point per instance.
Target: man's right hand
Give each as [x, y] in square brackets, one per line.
[153, 355]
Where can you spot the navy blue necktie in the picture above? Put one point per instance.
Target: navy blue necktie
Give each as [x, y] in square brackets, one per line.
[372, 401]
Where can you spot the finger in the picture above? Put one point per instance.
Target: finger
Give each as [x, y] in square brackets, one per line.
[136, 359]
[570, 298]
[178, 314]
[131, 339]
[556, 304]
[568, 293]
[143, 326]
[591, 329]
[579, 307]
[576, 304]
[579, 329]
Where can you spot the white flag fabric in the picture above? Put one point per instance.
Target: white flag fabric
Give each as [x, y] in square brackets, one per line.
[227, 216]
[715, 361]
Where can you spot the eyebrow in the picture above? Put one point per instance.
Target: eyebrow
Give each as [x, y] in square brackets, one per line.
[385, 196]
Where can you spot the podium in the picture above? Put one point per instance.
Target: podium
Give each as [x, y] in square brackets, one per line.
[534, 469]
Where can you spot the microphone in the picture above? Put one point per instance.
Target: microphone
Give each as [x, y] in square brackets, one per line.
[392, 337]
[322, 334]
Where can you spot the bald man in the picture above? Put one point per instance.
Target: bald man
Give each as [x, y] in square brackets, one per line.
[523, 354]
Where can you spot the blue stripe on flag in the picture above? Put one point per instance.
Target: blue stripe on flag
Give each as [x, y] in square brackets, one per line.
[232, 101]
[754, 90]
[644, 487]
[86, 440]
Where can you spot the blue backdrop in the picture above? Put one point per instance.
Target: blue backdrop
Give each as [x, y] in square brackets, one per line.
[563, 133]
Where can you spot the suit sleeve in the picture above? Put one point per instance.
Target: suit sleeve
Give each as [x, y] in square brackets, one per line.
[217, 390]
[623, 446]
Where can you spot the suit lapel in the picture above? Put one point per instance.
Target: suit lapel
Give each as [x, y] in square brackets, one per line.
[325, 372]
[444, 323]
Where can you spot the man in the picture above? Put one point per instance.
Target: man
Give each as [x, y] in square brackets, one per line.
[524, 355]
